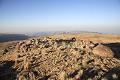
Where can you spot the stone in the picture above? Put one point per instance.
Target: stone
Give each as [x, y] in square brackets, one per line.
[103, 51]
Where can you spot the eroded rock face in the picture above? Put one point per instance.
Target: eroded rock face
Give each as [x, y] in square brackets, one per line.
[103, 51]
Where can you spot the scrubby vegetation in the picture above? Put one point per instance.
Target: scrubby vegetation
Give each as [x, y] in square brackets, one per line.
[61, 57]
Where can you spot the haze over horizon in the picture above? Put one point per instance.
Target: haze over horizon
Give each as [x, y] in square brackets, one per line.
[17, 16]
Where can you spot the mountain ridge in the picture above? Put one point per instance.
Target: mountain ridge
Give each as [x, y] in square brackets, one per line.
[12, 37]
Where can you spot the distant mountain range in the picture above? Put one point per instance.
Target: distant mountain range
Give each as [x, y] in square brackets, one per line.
[48, 33]
[12, 37]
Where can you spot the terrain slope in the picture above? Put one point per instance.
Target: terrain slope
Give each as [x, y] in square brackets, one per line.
[86, 56]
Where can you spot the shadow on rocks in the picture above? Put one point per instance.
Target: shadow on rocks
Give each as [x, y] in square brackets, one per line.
[6, 70]
[113, 74]
[115, 47]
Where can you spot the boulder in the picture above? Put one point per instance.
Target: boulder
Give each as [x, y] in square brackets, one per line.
[103, 51]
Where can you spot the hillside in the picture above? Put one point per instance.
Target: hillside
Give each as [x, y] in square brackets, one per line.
[12, 37]
[86, 56]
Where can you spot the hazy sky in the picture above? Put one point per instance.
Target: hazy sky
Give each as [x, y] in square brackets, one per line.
[59, 15]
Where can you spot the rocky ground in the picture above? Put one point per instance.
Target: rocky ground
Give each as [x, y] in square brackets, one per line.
[64, 58]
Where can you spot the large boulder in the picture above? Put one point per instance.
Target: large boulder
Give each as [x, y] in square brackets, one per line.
[103, 51]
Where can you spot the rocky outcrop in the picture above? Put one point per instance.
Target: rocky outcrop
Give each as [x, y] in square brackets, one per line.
[62, 58]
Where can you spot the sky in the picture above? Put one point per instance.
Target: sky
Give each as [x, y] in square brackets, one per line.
[18, 16]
